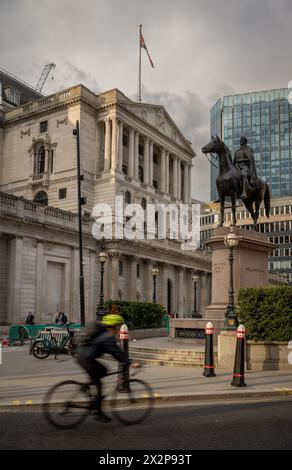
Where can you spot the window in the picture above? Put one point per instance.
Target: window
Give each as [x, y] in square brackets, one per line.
[143, 203]
[155, 184]
[63, 193]
[43, 127]
[13, 96]
[138, 270]
[41, 197]
[128, 197]
[141, 173]
[120, 268]
[125, 169]
[125, 140]
[40, 163]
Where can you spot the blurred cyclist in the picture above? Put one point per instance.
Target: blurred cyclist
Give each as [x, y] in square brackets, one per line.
[100, 339]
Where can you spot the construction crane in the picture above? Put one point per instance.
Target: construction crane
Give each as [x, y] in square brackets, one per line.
[44, 76]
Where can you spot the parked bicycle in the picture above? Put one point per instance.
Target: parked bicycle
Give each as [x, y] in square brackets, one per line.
[42, 347]
[67, 404]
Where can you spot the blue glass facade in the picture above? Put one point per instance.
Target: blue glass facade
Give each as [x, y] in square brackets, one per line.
[265, 118]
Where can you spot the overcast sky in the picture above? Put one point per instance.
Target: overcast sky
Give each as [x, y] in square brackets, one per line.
[201, 49]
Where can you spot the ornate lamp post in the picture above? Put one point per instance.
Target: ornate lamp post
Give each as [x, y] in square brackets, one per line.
[231, 322]
[195, 312]
[102, 257]
[155, 273]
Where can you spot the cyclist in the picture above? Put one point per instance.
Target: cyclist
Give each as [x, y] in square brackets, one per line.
[100, 339]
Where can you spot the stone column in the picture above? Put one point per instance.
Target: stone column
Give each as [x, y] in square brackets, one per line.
[46, 160]
[186, 183]
[167, 173]
[162, 171]
[131, 154]
[15, 279]
[163, 284]
[93, 288]
[174, 176]
[133, 278]
[39, 307]
[151, 163]
[114, 143]
[107, 145]
[190, 185]
[120, 153]
[136, 155]
[114, 277]
[180, 293]
[148, 280]
[146, 161]
[203, 288]
[179, 179]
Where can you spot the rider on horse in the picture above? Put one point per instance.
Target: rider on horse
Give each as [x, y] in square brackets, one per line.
[244, 161]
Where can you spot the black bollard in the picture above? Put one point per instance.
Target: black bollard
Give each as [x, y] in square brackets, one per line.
[238, 374]
[123, 375]
[209, 367]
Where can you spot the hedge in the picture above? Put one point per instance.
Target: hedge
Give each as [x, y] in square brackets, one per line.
[266, 313]
[139, 315]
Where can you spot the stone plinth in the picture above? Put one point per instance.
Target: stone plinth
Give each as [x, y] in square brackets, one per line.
[250, 266]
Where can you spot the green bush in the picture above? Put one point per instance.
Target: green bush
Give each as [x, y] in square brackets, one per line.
[266, 313]
[139, 315]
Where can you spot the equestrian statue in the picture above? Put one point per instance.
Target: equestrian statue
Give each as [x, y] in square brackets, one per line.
[238, 179]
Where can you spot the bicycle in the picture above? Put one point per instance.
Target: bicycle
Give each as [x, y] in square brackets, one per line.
[67, 404]
[43, 347]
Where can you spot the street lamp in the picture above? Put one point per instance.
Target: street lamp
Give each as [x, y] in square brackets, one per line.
[231, 322]
[195, 312]
[155, 273]
[102, 257]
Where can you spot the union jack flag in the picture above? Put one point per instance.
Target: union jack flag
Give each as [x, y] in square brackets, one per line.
[142, 44]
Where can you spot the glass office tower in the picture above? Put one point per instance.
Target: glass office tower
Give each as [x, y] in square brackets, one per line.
[265, 118]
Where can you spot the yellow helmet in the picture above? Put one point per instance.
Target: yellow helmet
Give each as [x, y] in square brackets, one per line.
[112, 320]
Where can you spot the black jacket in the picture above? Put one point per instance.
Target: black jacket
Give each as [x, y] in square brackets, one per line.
[103, 343]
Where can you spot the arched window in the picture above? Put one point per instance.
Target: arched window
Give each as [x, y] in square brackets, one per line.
[141, 173]
[128, 197]
[41, 198]
[40, 162]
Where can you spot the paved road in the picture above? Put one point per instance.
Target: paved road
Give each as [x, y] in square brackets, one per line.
[262, 425]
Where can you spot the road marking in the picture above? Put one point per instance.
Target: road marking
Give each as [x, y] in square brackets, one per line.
[28, 402]
[16, 402]
[283, 389]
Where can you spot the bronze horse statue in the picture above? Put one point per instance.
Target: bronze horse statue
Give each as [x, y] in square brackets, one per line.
[229, 183]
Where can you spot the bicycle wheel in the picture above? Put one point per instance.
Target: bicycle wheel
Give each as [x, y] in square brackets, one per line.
[40, 349]
[67, 404]
[134, 405]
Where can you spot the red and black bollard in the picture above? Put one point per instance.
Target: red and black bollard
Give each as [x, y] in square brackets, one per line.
[209, 367]
[238, 374]
[123, 375]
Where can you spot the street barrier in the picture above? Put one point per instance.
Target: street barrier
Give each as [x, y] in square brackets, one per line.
[123, 375]
[238, 374]
[5, 342]
[209, 367]
[34, 330]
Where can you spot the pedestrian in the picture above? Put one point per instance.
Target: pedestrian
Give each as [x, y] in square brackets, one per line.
[30, 319]
[61, 318]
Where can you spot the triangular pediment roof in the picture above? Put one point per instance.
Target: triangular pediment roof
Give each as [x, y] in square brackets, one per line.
[158, 117]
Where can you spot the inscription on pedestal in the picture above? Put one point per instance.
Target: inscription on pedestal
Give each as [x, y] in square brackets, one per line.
[219, 267]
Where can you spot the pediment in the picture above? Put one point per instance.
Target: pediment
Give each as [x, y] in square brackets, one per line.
[159, 118]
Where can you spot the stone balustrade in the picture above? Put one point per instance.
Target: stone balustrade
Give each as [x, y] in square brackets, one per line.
[23, 208]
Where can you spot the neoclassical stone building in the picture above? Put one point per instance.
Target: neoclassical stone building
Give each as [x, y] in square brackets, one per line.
[130, 149]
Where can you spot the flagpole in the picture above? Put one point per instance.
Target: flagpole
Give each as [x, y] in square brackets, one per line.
[140, 86]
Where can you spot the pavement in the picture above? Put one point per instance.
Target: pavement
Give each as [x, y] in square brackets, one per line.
[25, 380]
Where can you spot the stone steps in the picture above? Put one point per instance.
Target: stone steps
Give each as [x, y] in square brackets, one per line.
[169, 357]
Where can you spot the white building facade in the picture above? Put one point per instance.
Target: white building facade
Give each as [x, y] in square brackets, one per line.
[128, 149]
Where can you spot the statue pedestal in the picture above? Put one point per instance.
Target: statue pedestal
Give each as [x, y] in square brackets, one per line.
[250, 266]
